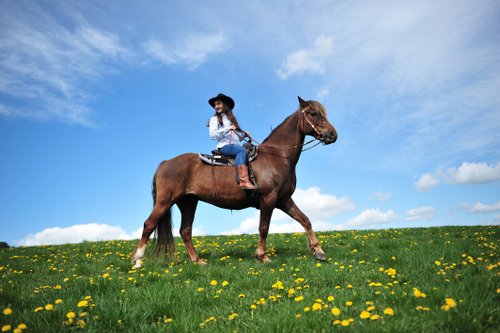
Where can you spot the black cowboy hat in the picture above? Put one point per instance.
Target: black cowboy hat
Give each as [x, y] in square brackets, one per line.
[225, 99]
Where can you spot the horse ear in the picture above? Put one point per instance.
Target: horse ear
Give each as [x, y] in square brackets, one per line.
[301, 101]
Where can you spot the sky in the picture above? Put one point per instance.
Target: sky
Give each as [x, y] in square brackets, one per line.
[94, 95]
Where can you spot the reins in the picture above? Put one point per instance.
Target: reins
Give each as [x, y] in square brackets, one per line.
[301, 145]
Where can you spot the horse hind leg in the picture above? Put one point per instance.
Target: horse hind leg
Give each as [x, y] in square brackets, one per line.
[159, 213]
[187, 206]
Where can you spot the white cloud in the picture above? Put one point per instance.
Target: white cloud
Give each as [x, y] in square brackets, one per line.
[307, 60]
[426, 182]
[474, 173]
[421, 214]
[190, 50]
[467, 173]
[370, 218]
[91, 232]
[479, 207]
[317, 206]
[76, 234]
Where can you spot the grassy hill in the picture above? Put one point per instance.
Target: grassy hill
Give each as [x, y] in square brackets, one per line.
[398, 280]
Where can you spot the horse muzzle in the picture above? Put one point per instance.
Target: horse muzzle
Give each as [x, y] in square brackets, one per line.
[328, 137]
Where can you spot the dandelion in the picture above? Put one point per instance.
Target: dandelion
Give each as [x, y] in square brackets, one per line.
[345, 323]
[298, 315]
[71, 315]
[336, 312]
[7, 311]
[49, 307]
[307, 309]
[213, 283]
[449, 303]
[375, 317]
[316, 307]
[364, 315]
[253, 306]
[6, 328]
[389, 312]
[201, 289]
[241, 296]
[80, 323]
[58, 301]
[331, 298]
[225, 283]
[348, 303]
[38, 309]
[299, 298]
[291, 292]
[418, 294]
[22, 326]
[83, 304]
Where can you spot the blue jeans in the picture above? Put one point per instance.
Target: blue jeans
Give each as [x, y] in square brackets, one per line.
[236, 151]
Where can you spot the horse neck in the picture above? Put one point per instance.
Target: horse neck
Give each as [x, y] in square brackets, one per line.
[286, 140]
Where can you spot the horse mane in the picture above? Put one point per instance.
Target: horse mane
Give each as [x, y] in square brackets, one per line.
[321, 109]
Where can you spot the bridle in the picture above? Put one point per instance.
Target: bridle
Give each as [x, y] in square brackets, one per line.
[304, 114]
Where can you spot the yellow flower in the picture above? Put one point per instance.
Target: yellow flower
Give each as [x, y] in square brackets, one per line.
[49, 307]
[307, 309]
[58, 301]
[7, 311]
[316, 307]
[336, 312]
[450, 302]
[345, 323]
[348, 303]
[201, 289]
[241, 296]
[22, 326]
[71, 315]
[38, 309]
[6, 328]
[364, 315]
[253, 306]
[331, 298]
[291, 292]
[225, 283]
[375, 317]
[389, 312]
[299, 298]
[80, 323]
[418, 294]
[83, 304]
[213, 282]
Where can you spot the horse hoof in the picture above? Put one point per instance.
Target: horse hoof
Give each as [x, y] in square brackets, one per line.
[320, 256]
[200, 262]
[138, 264]
[264, 259]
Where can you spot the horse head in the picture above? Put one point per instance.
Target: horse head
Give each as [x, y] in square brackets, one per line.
[315, 123]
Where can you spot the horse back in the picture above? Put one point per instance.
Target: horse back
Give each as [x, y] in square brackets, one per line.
[187, 175]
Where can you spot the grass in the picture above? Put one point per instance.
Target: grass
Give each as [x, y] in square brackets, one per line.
[398, 280]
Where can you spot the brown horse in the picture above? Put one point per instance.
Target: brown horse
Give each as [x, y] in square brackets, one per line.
[185, 179]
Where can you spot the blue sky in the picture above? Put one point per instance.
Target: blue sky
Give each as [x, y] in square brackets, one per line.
[94, 95]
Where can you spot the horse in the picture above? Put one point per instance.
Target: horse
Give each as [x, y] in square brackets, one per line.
[185, 180]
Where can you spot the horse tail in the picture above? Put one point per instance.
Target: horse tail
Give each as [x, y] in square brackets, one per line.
[164, 239]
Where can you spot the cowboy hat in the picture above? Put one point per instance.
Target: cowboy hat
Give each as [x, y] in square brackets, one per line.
[225, 99]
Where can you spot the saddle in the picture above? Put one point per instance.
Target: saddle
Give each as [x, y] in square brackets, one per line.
[217, 158]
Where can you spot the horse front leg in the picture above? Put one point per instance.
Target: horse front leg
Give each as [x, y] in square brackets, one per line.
[265, 218]
[290, 208]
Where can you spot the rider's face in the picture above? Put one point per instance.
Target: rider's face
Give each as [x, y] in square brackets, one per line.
[218, 106]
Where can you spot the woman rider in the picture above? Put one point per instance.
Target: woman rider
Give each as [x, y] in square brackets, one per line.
[224, 128]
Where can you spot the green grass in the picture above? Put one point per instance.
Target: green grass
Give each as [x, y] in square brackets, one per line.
[375, 270]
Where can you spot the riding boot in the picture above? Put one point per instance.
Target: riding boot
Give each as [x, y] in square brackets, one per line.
[245, 183]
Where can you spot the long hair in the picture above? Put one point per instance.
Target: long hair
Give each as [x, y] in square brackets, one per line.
[229, 114]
